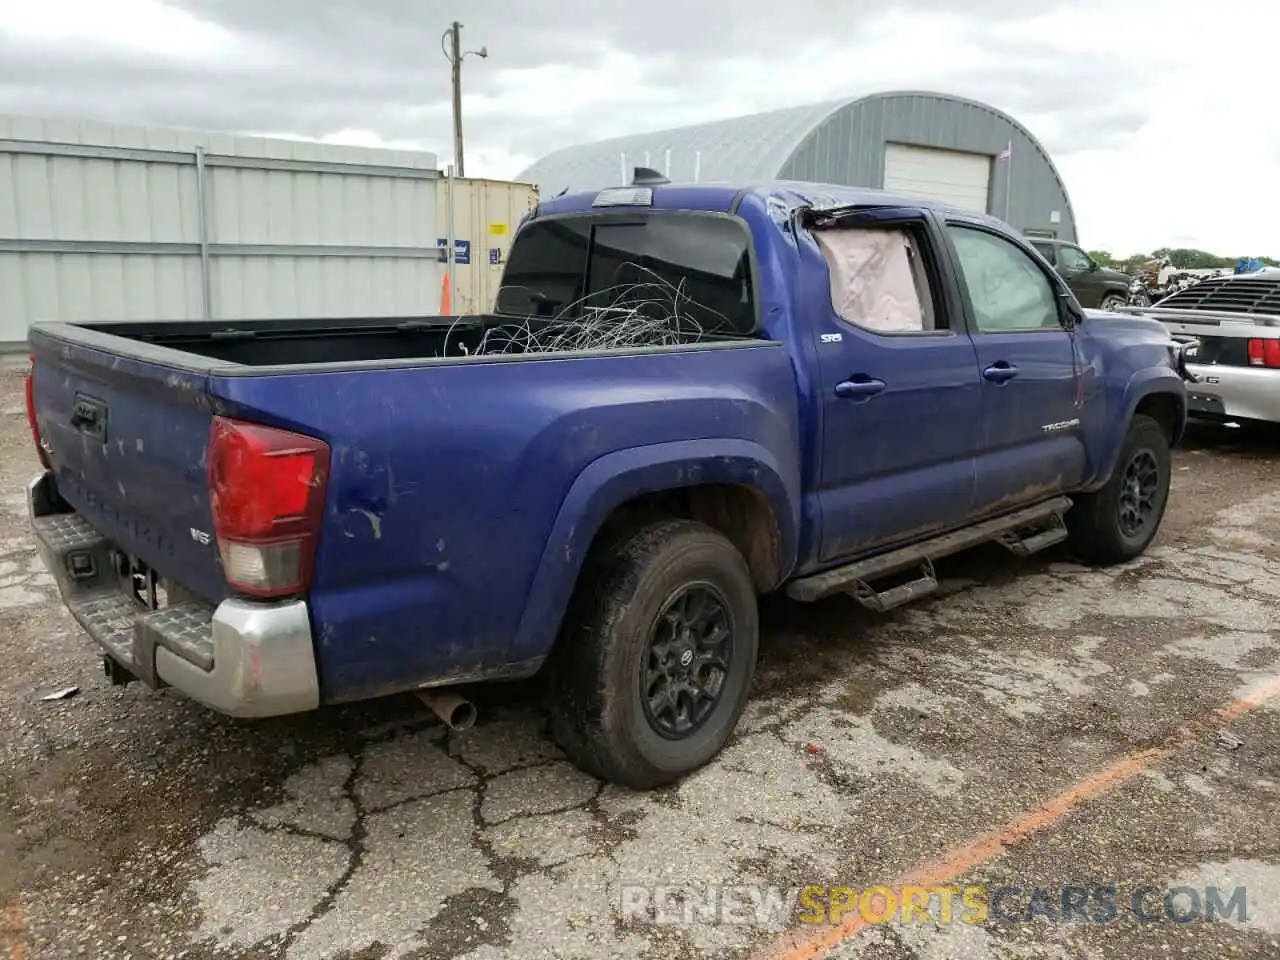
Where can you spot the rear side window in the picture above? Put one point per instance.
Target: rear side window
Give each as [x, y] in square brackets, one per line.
[545, 268]
[691, 268]
[878, 279]
[1045, 250]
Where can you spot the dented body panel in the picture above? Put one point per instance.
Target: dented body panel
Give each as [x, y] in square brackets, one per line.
[1125, 364]
[465, 493]
[451, 490]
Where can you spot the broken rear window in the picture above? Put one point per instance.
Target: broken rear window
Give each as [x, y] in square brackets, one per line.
[694, 269]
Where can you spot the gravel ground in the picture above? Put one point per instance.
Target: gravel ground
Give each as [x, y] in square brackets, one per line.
[137, 824]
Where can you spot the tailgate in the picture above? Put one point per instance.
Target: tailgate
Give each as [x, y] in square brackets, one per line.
[127, 439]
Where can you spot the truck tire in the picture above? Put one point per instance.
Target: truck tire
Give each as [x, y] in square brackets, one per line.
[1118, 522]
[655, 662]
[1113, 302]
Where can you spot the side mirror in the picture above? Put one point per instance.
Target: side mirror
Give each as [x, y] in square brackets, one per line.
[1069, 313]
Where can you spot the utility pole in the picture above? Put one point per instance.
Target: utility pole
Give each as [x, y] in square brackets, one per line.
[452, 44]
[455, 48]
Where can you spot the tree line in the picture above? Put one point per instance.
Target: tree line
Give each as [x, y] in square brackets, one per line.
[1181, 257]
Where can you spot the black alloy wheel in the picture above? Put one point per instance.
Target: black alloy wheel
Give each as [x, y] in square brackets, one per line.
[1138, 489]
[690, 653]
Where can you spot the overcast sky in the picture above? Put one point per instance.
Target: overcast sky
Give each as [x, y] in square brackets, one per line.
[1160, 114]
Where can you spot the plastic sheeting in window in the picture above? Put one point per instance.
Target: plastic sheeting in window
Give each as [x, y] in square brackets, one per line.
[872, 281]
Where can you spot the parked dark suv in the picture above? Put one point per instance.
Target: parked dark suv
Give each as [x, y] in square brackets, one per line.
[1093, 285]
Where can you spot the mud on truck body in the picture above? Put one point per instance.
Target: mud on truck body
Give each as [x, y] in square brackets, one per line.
[685, 397]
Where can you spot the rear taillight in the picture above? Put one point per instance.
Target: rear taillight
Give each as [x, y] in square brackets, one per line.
[267, 487]
[1264, 353]
[32, 422]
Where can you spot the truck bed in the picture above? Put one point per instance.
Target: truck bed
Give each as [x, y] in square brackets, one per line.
[433, 462]
[289, 341]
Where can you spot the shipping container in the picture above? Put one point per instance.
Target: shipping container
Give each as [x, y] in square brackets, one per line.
[486, 214]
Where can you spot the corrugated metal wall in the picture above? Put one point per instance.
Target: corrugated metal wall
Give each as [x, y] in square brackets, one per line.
[849, 147]
[102, 222]
[752, 147]
[839, 142]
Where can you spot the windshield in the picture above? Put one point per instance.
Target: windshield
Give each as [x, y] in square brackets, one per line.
[691, 270]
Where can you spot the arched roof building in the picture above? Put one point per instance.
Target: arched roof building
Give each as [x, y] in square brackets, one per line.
[914, 143]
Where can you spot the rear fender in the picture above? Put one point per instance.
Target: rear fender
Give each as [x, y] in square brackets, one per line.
[1148, 382]
[614, 479]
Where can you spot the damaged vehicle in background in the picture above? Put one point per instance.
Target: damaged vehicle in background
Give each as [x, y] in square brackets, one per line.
[687, 396]
[1234, 320]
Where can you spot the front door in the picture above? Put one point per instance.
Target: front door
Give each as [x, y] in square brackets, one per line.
[1032, 446]
[899, 388]
[1082, 275]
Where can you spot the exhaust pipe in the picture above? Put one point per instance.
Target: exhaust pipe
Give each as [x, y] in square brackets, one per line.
[457, 712]
[118, 675]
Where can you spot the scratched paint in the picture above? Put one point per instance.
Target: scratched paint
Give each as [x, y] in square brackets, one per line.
[375, 521]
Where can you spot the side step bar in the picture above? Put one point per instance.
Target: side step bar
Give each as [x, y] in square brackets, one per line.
[1043, 524]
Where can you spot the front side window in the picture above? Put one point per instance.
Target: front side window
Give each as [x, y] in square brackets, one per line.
[1006, 287]
[691, 270]
[1076, 260]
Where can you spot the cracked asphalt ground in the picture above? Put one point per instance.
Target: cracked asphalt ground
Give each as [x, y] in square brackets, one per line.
[137, 824]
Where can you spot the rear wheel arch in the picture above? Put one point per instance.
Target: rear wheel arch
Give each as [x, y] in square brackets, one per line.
[733, 486]
[743, 514]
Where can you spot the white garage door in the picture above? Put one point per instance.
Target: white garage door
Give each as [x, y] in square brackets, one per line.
[949, 176]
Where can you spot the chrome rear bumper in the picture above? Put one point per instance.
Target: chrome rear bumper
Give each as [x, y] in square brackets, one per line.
[241, 658]
[1247, 393]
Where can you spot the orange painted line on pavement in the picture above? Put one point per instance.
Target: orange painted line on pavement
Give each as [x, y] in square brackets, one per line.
[812, 943]
[13, 924]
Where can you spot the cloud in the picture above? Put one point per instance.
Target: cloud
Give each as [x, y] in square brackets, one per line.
[1151, 108]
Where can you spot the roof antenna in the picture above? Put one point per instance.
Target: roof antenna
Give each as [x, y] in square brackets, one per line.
[647, 177]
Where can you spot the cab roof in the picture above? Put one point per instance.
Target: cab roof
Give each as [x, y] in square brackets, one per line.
[726, 197]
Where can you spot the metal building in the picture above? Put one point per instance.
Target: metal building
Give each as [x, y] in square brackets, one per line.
[915, 143]
[106, 222]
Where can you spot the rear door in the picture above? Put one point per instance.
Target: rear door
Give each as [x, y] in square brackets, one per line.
[1032, 381]
[898, 385]
[127, 439]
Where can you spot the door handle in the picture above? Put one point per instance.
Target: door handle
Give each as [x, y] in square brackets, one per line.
[1000, 372]
[859, 388]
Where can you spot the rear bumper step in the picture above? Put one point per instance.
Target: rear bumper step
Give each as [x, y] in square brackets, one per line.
[240, 658]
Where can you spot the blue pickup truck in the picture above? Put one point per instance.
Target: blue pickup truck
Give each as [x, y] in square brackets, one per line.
[686, 396]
